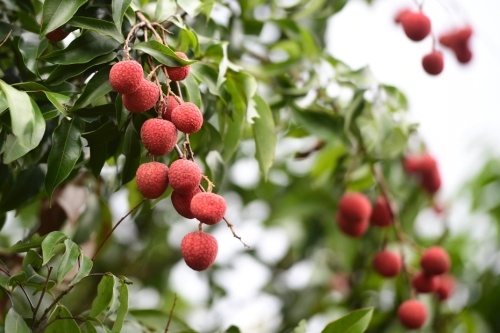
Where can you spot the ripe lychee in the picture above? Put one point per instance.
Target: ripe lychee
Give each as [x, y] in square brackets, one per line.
[416, 25]
[143, 99]
[178, 73]
[400, 14]
[355, 207]
[184, 175]
[187, 118]
[381, 213]
[158, 136]
[426, 168]
[412, 314]
[170, 103]
[458, 41]
[199, 250]
[126, 76]
[57, 35]
[152, 179]
[208, 208]
[354, 229]
[445, 286]
[433, 62]
[435, 261]
[387, 263]
[431, 181]
[424, 283]
[182, 202]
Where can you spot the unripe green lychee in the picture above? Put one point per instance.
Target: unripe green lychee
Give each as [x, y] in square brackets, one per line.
[182, 202]
[381, 213]
[354, 229]
[126, 76]
[412, 314]
[143, 99]
[423, 283]
[178, 73]
[355, 207]
[435, 261]
[152, 179]
[187, 118]
[208, 208]
[387, 263]
[170, 103]
[416, 25]
[158, 136]
[184, 175]
[199, 250]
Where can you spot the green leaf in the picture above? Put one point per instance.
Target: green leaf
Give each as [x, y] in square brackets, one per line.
[25, 246]
[100, 26]
[97, 87]
[83, 49]
[105, 133]
[193, 91]
[62, 321]
[162, 53]
[233, 329]
[104, 295]
[265, 138]
[122, 310]
[85, 266]
[235, 121]
[71, 253]
[164, 10]
[65, 151]
[15, 323]
[119, 7]
[132, 151]
[98, 156]
[49, 245]
[31, 47]
[301, 327]
[87, 327]
[192, 7]
[355, 322]
[57, 100]
[57, 12]
[25, 187]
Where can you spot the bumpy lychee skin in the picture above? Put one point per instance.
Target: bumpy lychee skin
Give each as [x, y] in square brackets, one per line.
[152, 179]
[184, 175]
[352, 229]
[412, 314]
[126, 76]
[433, 62]
[445, 286]
[187, 118]
[416, 25]
[424, 283]
[57, 35]
[208, 208]
[355, 207]
[435, 261]
[182, 202]
[381, 213]
[387, 263]
[199, 250]
[170, 103]
[158, 136]
[143, 99]
[178, 73]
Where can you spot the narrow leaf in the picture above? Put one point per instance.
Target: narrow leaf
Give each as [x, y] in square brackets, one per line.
[119, 7]
[193, 91]
[15, 323]
[85, 265]
[265, 138]
[49, 244]
[69, 259]
[57, 12]
[104, 295]
[355, 322]
[100, 26]
[122, 310]
[132, 151]
[97, 87]
[21, 246]
[162, 53]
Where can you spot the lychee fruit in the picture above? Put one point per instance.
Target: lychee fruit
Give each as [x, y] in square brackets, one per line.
[182, 202]
[169, 104]
[416, 25]
[158, 136]
[184, 175]
[400, 14]
[381, 213]
[199, 250]
[433, 62]
[435, 261]
[412, 314]
[57, 35]
[208, 208]
[187, 117]
[426, 168]
[458, 41]
[126, 76]
[445, 286]
[353, 229]
[387, 263]
[152, 179]
[424, 283]
[355, 207]
[178, 73]
[431, 181]
[143, 99]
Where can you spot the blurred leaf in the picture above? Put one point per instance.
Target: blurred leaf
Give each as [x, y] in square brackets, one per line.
[15, 323]
[24, 188]
[100, 26]
[301, 327]
[98, 156]
[233, 329]
[25, 246]
[104, 295]
[84, 268]
[192, 7]
[97, 87]
[122, 310]
[71, 253]
[162, 53]
[132, 151]
[193, 91]
[64, 324]
[87, 327]
[355, 322]
[49, 245]
[57, 12]
[164, 10]
[118, 8]
[265, 138]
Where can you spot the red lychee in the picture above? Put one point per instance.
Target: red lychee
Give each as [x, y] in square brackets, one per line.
[416, 25]
[57, 35]
[199, 250]
[143, 98]
[412, 314]
[158, 136]
[458, 41]
[208, 208]
[187, 118]
[355, 207]
[435, 261]
[126, 76]
[431, 181]
[445, 286]
[184, 175]
[426, 168]
[400, 14]
[178, 73]
[353, 229]
[381, 213]
[423, 283]
[170, 103]
[433, 62]
[182, 202]
[152, 179]
[387, 263]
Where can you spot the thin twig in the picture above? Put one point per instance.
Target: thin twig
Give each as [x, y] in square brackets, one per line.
[44, 290]
[6, 38]
[54, 302]
[171, 313]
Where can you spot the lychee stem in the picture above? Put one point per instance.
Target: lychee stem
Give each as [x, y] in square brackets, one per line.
[129, 37]
[170, 314]
[179, 91]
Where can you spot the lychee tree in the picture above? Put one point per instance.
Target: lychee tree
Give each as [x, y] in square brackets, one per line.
[160, 103]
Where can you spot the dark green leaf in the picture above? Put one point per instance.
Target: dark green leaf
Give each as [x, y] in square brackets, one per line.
[98, 156]
[25, 186]
[355, 322]
[119, 7]
[162, 53]
[265, 138]
[122, 309]
[69, 259]
[100, 26]
[132, 151]
[62, 321]
[22, 246]
[105, 133]
[31, 47]
[233, 329]
[49, 245]
[65, 151]
[15, 323]
[57, 12]
[97, 87]
[95, 112]
[104, 295]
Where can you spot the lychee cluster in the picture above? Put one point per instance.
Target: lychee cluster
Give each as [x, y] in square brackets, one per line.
[425, 168]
